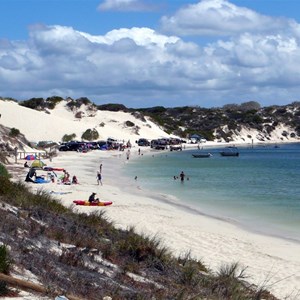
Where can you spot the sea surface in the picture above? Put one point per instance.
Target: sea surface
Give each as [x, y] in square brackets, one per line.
[259, 190]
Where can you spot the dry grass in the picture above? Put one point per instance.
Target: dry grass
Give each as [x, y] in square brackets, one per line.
[100, 257]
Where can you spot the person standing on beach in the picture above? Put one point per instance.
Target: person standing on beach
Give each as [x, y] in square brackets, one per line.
[128, 154]
[100, 168]
[99, 178]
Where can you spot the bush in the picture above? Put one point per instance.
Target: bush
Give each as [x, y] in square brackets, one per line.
[68, 137]
[33, 103]
[52, 101]
[90, 135]
[112, 107]
[4, 172]
[5, 261]
[129, 124]
[14, 132]
[3, 288]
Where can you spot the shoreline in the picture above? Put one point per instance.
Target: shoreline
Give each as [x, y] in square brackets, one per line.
[264, 228]
[270, 261]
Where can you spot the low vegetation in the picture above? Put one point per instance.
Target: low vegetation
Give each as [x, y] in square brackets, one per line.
[85, 255]
[211, 122]
[14, 132]
[90, 135]
[68, 137]
[220, 123]
[41, 103]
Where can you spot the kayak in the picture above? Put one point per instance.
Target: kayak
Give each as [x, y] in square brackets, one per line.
[87, 203]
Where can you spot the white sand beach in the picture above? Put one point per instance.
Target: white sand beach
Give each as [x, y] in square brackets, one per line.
[271, 262]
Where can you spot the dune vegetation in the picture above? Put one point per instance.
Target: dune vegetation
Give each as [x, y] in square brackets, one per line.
[85, 257]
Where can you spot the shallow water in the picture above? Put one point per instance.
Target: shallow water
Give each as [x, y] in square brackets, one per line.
[260, 189]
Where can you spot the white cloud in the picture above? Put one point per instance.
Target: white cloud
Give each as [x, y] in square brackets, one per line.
[140, 67]
[125, 5]
[221, 18]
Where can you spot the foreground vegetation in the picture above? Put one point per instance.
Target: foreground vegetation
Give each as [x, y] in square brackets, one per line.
[85, 255]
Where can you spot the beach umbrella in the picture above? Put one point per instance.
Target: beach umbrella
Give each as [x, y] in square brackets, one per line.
[37, 164]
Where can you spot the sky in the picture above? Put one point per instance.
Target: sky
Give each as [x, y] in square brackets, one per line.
[144, 53]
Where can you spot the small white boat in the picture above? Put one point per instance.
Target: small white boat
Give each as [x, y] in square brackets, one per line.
[202, 155]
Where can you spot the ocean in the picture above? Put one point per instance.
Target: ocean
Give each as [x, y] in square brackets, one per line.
[259, 190]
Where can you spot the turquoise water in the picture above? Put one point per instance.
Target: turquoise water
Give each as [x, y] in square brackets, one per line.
[260, 189]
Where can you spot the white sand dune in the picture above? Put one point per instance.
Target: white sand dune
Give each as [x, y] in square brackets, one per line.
[271, 262]
[52, 126]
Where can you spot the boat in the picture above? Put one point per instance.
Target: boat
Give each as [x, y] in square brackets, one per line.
[87, 203]
[202, 155]
[230, 151]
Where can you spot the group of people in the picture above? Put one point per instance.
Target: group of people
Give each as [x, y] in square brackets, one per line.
[66, 178]
[92, 197]
[181, 176]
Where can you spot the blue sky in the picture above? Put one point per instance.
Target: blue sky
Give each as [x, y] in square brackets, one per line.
[144, 53]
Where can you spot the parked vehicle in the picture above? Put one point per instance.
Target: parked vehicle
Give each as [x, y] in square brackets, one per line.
[143, 142]
[159, 144]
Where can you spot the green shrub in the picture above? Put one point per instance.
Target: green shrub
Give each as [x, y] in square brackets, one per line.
[14, 132]
[52, 101]
[90, 135]
[3, 288]
[5, 261]
[112, 107]
[129, 124]
[33, 103]
[68, 137]
[4, 172]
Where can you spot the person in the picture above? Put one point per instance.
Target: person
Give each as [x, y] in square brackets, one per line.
[182, 176]
[92, 198]
[31, 176]
[52, 178]
[66, 178]
[100, 168]
[26, 165]
[99, 178]
[128, 154]
[139, 151]
[74, 180]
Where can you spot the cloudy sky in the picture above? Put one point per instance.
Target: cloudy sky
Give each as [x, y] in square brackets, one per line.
[144, 53]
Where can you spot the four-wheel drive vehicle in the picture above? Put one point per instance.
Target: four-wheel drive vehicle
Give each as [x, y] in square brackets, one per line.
[143, 142]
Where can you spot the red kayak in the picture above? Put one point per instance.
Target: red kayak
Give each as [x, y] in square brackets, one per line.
[87, 203]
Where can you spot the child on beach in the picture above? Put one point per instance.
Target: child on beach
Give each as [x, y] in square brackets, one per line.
[99, 178]
[74, 180]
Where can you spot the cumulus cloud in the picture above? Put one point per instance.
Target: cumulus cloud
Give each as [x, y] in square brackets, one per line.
[141, 67]
[221, 18]
[125, 5]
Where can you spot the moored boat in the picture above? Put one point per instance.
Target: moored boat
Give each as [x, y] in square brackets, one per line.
[202, 155]
[230, 151]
